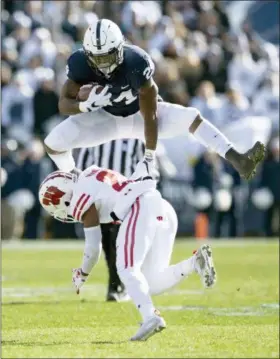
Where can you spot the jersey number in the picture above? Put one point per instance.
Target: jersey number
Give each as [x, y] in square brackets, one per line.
[111, 177]
[148, 72]
[127, 96]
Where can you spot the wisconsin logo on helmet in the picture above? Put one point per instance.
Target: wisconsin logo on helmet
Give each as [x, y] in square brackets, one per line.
[52, 196]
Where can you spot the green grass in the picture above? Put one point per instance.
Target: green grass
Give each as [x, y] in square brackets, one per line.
[42, 317]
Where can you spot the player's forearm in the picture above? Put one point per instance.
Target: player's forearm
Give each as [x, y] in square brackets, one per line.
[68, 106]
[148, 108]
[151, 133]
[92, 248]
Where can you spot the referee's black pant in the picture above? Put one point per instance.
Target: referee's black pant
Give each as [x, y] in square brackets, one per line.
[109, 237]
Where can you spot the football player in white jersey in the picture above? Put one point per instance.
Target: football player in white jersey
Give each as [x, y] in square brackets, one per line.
[124, 103]
[145, 239]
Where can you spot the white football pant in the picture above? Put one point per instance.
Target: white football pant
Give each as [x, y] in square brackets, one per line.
[144, 248]
[95, 128]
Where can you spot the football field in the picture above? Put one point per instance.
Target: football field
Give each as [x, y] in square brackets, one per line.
[42, 317]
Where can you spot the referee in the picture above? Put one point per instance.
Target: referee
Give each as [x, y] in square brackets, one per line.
[121, 156]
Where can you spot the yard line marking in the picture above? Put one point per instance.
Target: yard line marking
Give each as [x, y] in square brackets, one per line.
[79, 244]
[262, 310]
[26, 292]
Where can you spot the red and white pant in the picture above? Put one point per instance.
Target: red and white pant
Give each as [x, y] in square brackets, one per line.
[146, 238]
[144, 248]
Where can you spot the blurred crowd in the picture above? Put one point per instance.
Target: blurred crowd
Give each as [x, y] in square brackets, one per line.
[200, 61]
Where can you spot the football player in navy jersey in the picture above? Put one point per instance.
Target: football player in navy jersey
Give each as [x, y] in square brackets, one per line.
[127, 106]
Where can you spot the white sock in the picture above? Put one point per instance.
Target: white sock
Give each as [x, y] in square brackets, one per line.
[172, 275]
[138, 289]
[212, 138]
[64, 161]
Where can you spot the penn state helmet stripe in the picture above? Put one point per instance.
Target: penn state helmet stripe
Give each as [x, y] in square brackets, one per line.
[98, 27]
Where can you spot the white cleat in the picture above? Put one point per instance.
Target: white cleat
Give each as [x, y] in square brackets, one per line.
[204, 266]
[151, 326]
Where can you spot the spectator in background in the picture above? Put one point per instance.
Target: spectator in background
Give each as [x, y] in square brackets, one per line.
[266, 99]
[269, 190]
[16, 198]
[228, 203]
[235, 106]
[191, 69]
[45, 101]
[215, 67]
[20, 26]
[138, 18]
[39, 46]
[203, 187]
[213, 185]
[11, 169]
[29, 73]
[207, 102]
[17, 105]
[243, 72]
[171, 87]
[34, 10]
[197, 40]
[77, 20]
[9, 53]
[6, 74]
[63, 52]
[34, 169]
[165, 38]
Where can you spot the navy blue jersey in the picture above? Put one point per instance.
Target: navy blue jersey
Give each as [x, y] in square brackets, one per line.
[125, 82]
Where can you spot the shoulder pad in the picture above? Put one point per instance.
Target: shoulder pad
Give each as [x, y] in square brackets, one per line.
[77, 68]
[140, 64]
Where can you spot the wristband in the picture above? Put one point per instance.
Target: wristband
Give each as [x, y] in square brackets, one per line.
[150, 155]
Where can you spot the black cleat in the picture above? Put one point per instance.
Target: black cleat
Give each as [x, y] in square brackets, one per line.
[246, 163]
[117, 296]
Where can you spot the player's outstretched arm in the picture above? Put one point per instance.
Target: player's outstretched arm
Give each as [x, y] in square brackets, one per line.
[92, 249]
[148, 108]
[68, 103]
[92, 239]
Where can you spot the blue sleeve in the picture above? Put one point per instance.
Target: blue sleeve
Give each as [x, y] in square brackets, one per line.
[76, 69]
[142, 69]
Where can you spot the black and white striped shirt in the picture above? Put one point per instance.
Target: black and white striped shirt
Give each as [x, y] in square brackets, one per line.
[118, 155]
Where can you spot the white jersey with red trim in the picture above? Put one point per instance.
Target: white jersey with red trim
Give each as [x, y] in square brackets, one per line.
[99, 186]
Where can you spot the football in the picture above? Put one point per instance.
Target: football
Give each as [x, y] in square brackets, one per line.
[85, 91]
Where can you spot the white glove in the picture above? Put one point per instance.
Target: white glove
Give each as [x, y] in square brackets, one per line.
[146, 167]
[143, 169]
[78, 279]
[95, 100]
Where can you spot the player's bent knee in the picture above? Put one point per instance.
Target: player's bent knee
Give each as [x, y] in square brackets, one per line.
[194, 112]
[154, 288]
[52, 145]
[49, 150]
[127, 273]
[172, 217]
[197, 119]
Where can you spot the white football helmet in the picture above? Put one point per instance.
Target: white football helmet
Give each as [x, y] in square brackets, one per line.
[103, 45]
[55, 194]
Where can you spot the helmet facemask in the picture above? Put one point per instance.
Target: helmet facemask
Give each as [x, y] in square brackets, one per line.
[63, 216]
[106, 63]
